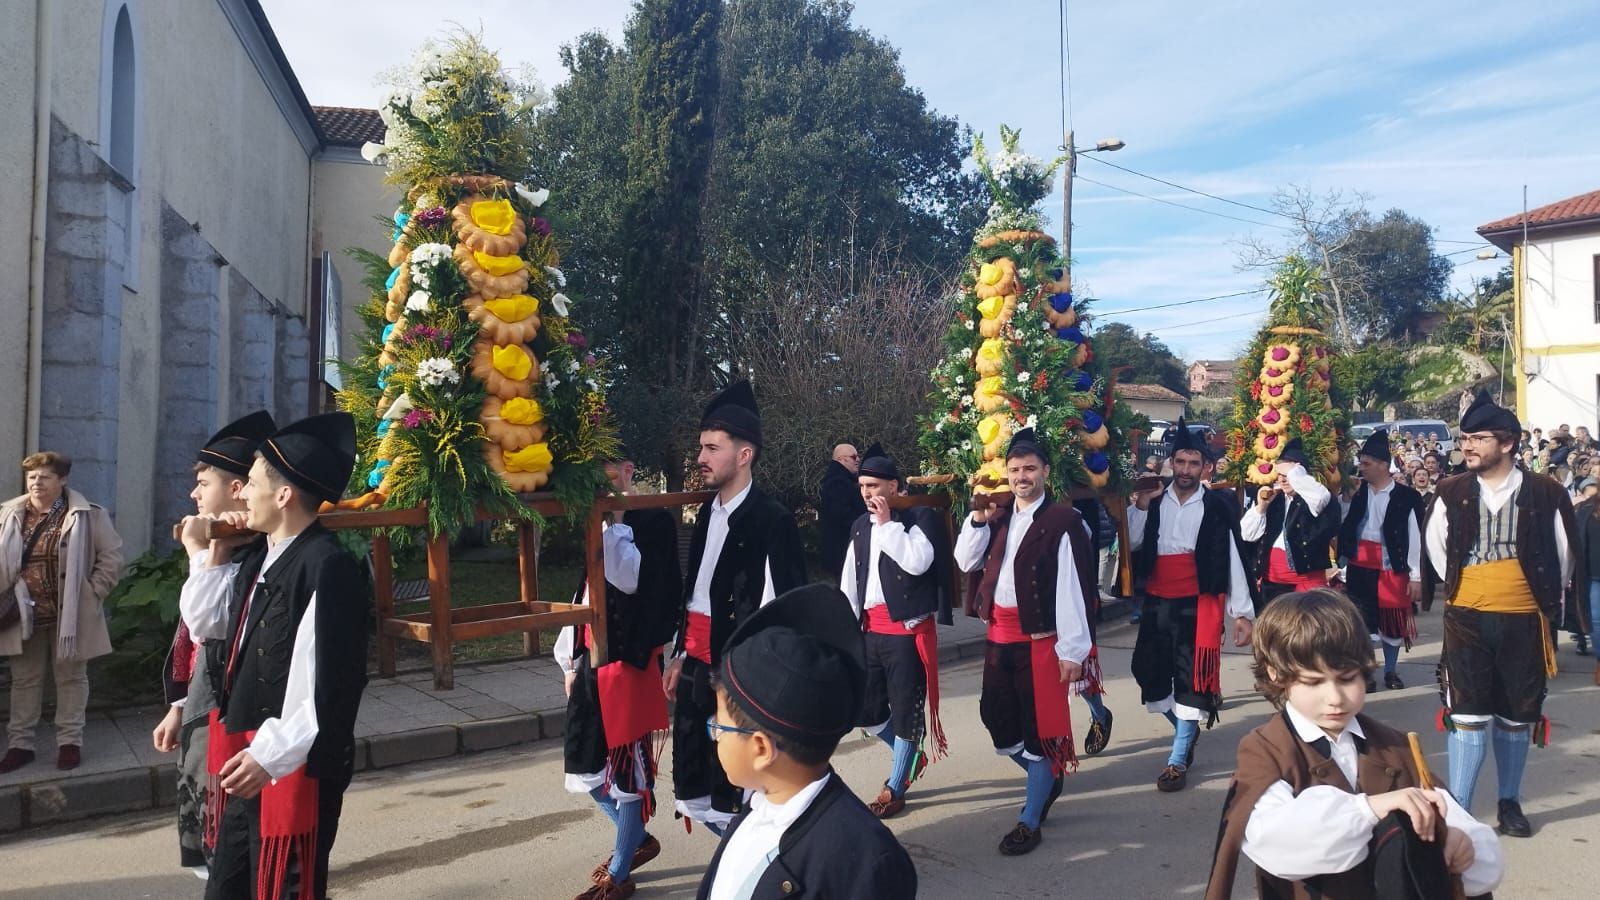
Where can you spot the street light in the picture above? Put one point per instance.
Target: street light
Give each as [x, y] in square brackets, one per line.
[1108, 145]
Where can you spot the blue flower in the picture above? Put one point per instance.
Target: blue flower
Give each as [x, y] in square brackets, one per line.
[1061, 302]
[1070, 333]
[1092, 421]
[376, 478]
[1096, 462]
[387, 330]
[393, 277]
[384, 426]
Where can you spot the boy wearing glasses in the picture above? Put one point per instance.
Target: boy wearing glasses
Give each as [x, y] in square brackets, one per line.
[788, 687]
[1501, 539]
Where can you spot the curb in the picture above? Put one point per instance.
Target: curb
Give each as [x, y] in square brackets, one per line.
[51, 802]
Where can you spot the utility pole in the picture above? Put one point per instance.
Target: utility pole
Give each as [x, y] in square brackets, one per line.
[1066, 207]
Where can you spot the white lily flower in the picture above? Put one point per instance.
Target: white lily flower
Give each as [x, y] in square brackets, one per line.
[556, 275]
[419, 301]
[374, 152]
[559, 304]
[534, 198]
[399, 408]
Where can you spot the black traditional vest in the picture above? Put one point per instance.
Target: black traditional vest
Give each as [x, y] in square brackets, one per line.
[1308, 538]
[760, 532]
[1211, 560]
[1403, 501]
[640, 622]
[907, 596]
[253, 692]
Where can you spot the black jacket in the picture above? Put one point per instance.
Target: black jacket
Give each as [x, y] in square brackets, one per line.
[760, 532]
[907, 596]
[1403, 501]
[316, 563]
[836, 850]
[839, 505]
[1308, 535]
[638, 623]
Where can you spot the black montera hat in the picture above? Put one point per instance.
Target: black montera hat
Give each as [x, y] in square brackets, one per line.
[316, 454]
[1025, 442]
[1293, 452]
[1377, 447]
[877, 464]
[233, 448]
[1484, 415]
[734, 410]
[797, 667]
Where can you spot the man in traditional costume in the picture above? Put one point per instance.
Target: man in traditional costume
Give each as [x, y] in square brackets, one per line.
[285, 625]
[1186, 556]
[896, 576]
[616, 712]
[1292, 526]
[1037, 566]
[1380, 550]
[746, 550]
[220, 468]
[1501, 538]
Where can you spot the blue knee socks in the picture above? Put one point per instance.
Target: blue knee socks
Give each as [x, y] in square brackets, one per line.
[905, 755]
[1468, 746]
[1097, 706]
[1511, 757]
[630, 834]
[1040, 781]
[887, 736]
[1391, 655]
[1182, 742]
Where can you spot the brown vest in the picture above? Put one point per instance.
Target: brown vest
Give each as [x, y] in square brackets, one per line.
[1035, 565]
[1273, 752]
[1536, 500]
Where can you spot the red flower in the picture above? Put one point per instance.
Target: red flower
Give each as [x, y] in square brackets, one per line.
[1276, 390]
[1272, 373]
[1279, 354]
[1255, 390]
[1041, 382]
[1271, 416]
[1269, 441]
[1306, 423]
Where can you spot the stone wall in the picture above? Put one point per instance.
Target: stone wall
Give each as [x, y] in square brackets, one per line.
[85, 257]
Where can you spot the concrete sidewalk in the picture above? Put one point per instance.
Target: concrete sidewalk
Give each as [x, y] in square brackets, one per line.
[402, 720]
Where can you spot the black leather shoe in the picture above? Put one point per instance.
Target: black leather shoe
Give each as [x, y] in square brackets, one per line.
[1099, 735]
[1391, 681]
[1019, 841]
[1512, 822]
[1055, 792]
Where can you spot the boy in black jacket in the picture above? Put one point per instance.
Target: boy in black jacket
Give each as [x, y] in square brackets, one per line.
[779, 718]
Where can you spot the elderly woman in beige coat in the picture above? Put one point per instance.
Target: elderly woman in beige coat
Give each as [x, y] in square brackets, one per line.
[59, 557]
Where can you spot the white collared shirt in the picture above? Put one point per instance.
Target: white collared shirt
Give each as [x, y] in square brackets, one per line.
[1180, 532]
[1323, 830]
[907, 546]
[1072, 618]
[1438, 526]
[1254, 523]
[1372, 529]
[620, 557]
[716, 536]
[752, 846]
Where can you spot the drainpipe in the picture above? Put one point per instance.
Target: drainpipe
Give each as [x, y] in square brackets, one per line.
[41, 197]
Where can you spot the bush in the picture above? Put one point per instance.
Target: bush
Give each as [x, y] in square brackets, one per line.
[143, 615]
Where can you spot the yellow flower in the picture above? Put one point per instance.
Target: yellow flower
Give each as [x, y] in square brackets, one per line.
[513, 309]
[521, 411]
[494, 216]
[991, 385]
[532, 458]
[513, 362]
[993, 350]
[988, 430]
[991, 307]
[990, 274]
[497, 265]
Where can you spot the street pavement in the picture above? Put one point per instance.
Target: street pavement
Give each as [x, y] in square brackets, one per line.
[497, 824]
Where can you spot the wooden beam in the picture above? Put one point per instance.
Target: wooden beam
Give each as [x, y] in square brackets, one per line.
[400, 627]
[383, 598]
[595, 578]
[495, 627]
[439, 602]
[528, 572]
[373, 518]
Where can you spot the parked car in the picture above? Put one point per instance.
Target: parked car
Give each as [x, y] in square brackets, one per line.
[1158, 430]
[1358, 434]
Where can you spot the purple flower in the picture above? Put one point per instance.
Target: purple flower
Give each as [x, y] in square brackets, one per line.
[588, 359]
[577, 340]
[417, 418]
[540, 227]
[433, 218]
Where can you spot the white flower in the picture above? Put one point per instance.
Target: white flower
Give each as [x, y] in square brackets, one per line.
[966, 400]
[1022, 378]
[535, 198]
[426, 201]
[593, 385]
[940, 425]
[419, 301]
[556, 276]
[966, 352]
[374, 152]
[559, 304]
[971, 325]
[426, 254]
[437, 370]
[399, 408]
[551, 382]
[966, 445]
[572, 366]
[1032, 422]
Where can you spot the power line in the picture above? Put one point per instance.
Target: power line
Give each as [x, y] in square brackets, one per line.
[1254, 312]
[1064, 59]
[1173, 184]
[1184, 206]
[1115, 312]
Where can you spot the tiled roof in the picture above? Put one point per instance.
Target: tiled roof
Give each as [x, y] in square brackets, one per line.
[1221, 365]
[348, 126]
[1583, 207]
[1147, 392]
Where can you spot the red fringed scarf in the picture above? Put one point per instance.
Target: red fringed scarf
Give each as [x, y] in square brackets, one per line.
[926, 635]
[633, 714]
[1052, 712]
[1176, 577]
[288, 816]
[184, 650]
[1394, 594]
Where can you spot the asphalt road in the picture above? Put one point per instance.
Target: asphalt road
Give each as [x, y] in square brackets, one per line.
[499, 825]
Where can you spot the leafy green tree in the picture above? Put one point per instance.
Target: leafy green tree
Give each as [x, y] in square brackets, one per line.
[1143, 358]
[1369, 378]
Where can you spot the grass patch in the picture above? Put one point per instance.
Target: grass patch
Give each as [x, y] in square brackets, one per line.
[1433, 373]
[479, 582]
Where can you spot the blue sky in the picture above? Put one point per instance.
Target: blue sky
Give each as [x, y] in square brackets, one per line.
[1442, 109]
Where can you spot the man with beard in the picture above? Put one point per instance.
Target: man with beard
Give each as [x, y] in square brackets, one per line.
[746, 550]
[838, 506]
[1186, 555]
[1291, 526]
[1380, 550]
[1501, 538]
[1037, 563]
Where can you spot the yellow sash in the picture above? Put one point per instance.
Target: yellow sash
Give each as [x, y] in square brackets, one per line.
[1500, 587]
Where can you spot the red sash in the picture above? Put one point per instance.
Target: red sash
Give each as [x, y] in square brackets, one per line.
[1394, 593]
[632, 709]
[1280, 572]
[288, 816]
[1174, 577]
[185, 649]
[926, 634]
[1052, 713]
[697, 637]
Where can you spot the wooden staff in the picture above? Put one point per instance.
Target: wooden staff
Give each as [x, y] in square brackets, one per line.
[1425, 779]
[216, 530]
